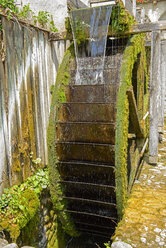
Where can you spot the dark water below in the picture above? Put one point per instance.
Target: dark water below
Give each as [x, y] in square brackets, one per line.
[88, 241]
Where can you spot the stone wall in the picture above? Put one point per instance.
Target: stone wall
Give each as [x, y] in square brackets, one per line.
[28, 68]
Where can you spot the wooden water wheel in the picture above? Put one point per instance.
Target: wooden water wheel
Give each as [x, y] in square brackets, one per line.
[95, 144]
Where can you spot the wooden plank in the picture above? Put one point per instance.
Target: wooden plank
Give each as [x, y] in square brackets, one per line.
[149, 1]
[129, 6]
[143, 28]
[76, 4]
[154, 97]
[28, 24]
[100, 1]
[136, 28]
[133, 114]
[134, 8]
[162, 87]
[148, 27]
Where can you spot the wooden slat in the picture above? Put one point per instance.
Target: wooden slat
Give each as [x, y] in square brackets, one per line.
[114, 220]
[143, 28]
[154, 97]
[89, 201]
[135, 28]
[133, 114]
[149, 1]
[76, 4]
[99, 1]
[162, 87]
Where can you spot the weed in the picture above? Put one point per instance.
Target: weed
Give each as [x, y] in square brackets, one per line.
[108, 245]
[25, 12]
[11, 10]
[42, 17]
[52, 25]
[10, 4]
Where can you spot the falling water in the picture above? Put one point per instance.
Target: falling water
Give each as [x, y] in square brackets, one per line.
[90, 28]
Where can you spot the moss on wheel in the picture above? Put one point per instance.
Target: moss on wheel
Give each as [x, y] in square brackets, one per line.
[56, 189]
[135, 46]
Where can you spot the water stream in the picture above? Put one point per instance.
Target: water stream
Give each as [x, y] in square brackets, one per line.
[90, 27]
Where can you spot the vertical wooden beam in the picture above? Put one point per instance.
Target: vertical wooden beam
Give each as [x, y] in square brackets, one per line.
[134, 8]
[154, 97]
[163, 82]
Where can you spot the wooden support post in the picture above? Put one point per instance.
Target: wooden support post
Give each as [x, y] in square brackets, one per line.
[154, 97]
[133, 114]
[134, 8]
[163, 82]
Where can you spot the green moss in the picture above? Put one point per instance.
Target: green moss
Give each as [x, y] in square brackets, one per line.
[121, 20]
[68, 27]
[16, 165]
[56, 189]
[19, 204]
[30, 231]
[135, 47]
[57, 239]
[14, 221]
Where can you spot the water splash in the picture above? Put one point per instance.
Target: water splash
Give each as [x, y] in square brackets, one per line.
[90, 27]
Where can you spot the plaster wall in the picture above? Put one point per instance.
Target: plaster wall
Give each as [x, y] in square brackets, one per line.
[86, 2]
[57, 8]
[155, 12]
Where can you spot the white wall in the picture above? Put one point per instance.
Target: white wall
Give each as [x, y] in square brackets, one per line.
[57, 8]
[155, 12]
[85, 2]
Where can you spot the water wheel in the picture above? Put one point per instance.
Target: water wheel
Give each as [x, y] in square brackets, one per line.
[94, 146]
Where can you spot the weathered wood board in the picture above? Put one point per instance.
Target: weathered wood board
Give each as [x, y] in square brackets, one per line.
[154, 97]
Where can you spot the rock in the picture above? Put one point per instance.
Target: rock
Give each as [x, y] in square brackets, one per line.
[120, 244]
[27, 247]
[13, 245]
[3, 242]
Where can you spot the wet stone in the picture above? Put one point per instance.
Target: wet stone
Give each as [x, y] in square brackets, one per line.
[27, 247]
[3, 242]
[120, 244]
[13, 245]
